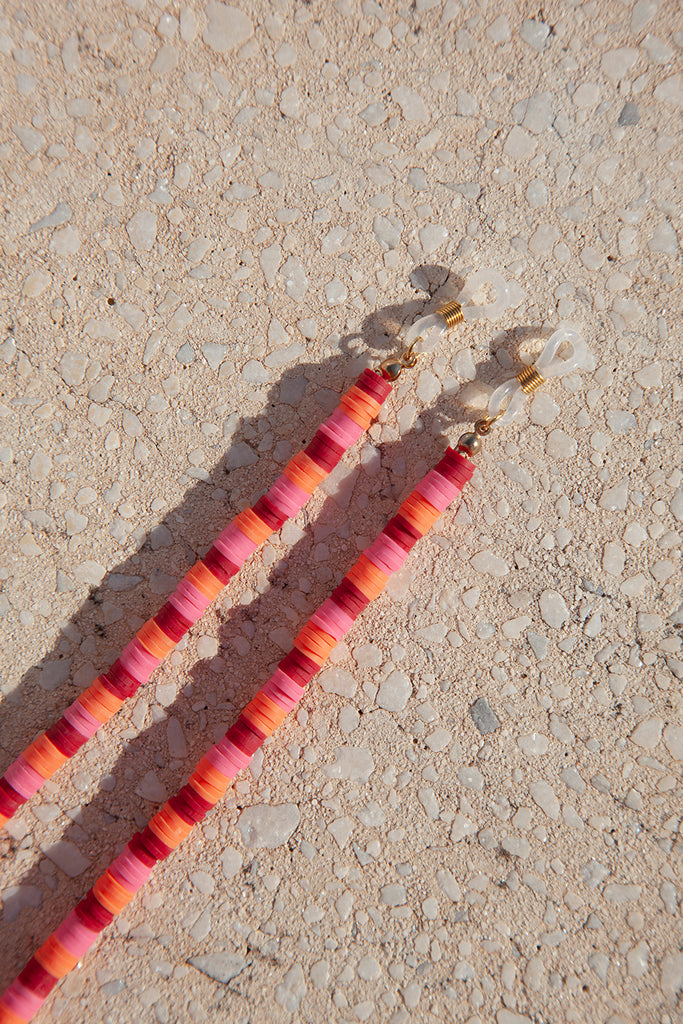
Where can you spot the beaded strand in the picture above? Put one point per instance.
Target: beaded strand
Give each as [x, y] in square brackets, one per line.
[209, 781]
[201, 585]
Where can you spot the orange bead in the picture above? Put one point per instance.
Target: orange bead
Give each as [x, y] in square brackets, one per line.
[154, 640]
[44, 756]
[418, 511]
[210, 793]
[315, 640]
[111, 894]
[300, 478]
[252, 526]
[309, 466]
[355, 412]
[170, 827]
[264, 713]
[367, 577]
[100, 702]
[365, 400]
[56, 958]
[212, 775]
[204, 580]
[8, 1017]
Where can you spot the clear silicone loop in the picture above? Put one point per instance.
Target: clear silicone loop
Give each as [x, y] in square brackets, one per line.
[511, 390]
[490, 310]
[551, 364]
[429, 330]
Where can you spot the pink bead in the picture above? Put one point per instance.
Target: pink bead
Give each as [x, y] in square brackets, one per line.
[386, 554]
[22, 777]
[232, 752]
[337, 614]
[287, 495]
[431, 489]
[237, 541]
[84, 723]
[20, 1000]
[189, 602]
[326, 621]
[138, 662]
[273, 691]
[346, 427]
[130, 871]
[286, 684]
[223, 763]
[74, 935]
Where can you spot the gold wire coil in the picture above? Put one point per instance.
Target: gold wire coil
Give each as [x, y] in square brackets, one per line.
[529, 379]
[452, 314]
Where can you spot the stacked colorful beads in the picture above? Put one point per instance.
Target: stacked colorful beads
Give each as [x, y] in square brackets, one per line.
[194, 594]
[225, 759]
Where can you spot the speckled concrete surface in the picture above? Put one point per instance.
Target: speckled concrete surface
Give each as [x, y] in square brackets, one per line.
[211, 221]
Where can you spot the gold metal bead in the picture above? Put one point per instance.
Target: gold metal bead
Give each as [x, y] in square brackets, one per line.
[452, 314]
[469, 443]
[391, 368]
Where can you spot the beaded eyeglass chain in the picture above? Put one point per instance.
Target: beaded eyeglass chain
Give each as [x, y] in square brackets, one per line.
[564, 352]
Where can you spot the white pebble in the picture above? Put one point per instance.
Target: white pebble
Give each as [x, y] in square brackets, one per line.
[534, 33]
[267, 826]
[66, 856]
[142, 230]
[335, 292]
[433, 237]
[394, 692]
[488, 563]
[617, 63]
[559, 445]
[177, 747]
[40, 465]
[554, 611]
[393, 895]
[203, 881]
[72, 367]
[151, 788]
[471, 778]
[354, 763]
[649, 376]
[533, 744]
[412, 105]
[227, 29]
[648, 733]
[543, 795]
[339, 681]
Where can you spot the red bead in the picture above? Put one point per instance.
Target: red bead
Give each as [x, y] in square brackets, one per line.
[324, 452]
[172, 622]
[155, 846]
[218, 566]
[267, 511]
[299, 667]
[66, 738]
[402, 532]
[196, 801]
[350, 598]
[181, 805]
[9, 799]
[137, 846]
[244, 737]
[93, 914]
[37, 979]
[120, 682]
[373, 384]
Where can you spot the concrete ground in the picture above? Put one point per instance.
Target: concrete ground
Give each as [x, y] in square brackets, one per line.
[213, 219]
